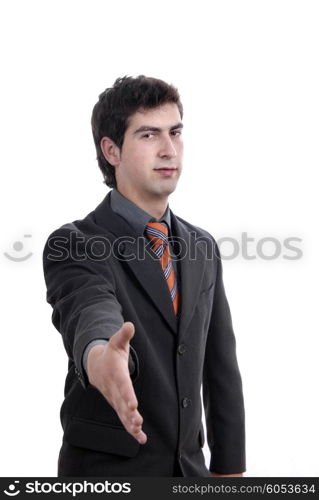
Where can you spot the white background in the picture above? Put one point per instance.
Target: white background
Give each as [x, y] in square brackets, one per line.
[247, 72]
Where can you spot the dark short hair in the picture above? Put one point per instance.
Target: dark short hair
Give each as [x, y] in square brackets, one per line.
[115, 106]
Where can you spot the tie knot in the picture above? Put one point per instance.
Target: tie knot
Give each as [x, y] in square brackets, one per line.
[157, 231]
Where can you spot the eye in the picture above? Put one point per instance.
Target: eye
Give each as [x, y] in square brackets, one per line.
[148, 135]
[176, 133]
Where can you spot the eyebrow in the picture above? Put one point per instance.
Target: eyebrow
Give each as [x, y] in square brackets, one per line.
[148, 128]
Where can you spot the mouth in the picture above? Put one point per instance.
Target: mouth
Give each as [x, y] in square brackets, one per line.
[166, 169]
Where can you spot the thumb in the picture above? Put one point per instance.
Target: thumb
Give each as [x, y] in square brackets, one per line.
[122, 337]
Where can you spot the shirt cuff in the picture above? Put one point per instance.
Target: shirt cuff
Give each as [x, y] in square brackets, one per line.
[87, 350]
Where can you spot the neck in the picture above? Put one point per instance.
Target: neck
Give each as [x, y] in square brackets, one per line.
[155, 207]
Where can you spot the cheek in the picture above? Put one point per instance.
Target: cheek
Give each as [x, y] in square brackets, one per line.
[136, 155]
[179, 148]
[143, 160]
[138, 161]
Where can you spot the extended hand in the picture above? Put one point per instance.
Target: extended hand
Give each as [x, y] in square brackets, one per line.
[108, 371]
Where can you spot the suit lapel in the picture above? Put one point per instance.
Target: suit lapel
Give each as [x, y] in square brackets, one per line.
[147, 270]
[192, 266]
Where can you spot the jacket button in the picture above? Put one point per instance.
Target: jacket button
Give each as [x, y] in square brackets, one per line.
[181, 349]
[186, 402]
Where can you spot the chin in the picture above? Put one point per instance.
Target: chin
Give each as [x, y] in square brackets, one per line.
[161, 190]
[167, 190]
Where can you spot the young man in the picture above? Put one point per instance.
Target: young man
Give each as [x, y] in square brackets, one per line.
[137, 294]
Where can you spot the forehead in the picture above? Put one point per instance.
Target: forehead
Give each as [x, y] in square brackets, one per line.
[163, 116]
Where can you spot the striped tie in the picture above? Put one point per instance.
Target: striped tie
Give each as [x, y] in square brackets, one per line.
[157, 232]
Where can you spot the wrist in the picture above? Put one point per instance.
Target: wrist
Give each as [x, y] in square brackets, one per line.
[94, 354]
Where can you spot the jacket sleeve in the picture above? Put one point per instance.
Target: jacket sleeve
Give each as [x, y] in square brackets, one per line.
[81, 291]
[222, 387]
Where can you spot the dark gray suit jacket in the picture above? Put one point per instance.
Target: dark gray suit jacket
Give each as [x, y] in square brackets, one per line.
[96, 279]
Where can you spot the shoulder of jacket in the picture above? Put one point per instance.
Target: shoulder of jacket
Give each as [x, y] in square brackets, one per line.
[85, 227]
[196, 229]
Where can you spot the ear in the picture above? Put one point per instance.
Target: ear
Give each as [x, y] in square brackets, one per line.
[111, 151]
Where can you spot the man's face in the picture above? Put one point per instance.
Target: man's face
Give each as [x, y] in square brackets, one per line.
[151, 155]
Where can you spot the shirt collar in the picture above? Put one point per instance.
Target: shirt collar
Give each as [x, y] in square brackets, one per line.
[134, 215]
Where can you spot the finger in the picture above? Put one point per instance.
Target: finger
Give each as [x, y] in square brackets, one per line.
[125, 392]
[132, 419]
[122, 337]
[137, 433]
[133, 429]
[141, 437]
[137, 419]
[122, 397]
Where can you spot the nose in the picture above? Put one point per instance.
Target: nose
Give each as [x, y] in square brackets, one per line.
[167, 148]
